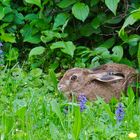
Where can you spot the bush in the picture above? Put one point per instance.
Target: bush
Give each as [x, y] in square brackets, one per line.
[85, 33]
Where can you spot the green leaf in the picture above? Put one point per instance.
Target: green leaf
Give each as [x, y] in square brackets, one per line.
[117, 53]
[36, 2]
[98, 20]
[108, 43]
[129, 21]
[7, 121]
[133, 40]
[37, 51]
[60, 19]
[36, 72]
[6, 2]
[56, 109]
[29, 34]
[136, 14]
[80, 11]
[8, 10]
[12, 54]
[19, 18]
[8, 37]
[35, 39]
[94, 2]
[138, 55]
[112, 5]
[105, 55]
[99, 51]
[2, 13]
[95, 23]
[77, 122]
[66, 47]
[31, 17]
[114, 21]
[9, 18]
[53, 79]
[133, 50]
[131, 96]
[49, 35]
[127, 62]
[66, 3]
[123, 35]
[86, 30]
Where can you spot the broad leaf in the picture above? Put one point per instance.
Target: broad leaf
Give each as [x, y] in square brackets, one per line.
[66, 47]
[117, 53]
[108, 43]
[129, 21]
[86, 30]
[49, 35]
[112, 5]
[12, 54]
[95, 23]
[99, 51]
[123, 35]
[98, 20]
[5, 2]
[36, 2]
[8, 37]
[53, 77]
[35, 39]
[94, 2]
[2, 13]
[36, 72]
[60, 20]
[66, 3]
[31, 17]
[29, 35]
[80, 11]
[136, 14]
[37, 51]
[19, 18]
[133, 40]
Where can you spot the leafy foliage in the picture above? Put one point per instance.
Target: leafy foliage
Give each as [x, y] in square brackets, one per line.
[41, 37]
[61, 27]
[31, 108]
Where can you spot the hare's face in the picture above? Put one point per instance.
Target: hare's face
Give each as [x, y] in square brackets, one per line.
[73, 80]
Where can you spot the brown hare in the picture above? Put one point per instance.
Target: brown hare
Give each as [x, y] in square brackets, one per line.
[105, 81]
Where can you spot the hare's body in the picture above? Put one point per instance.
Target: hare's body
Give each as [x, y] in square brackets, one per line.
[106, 81]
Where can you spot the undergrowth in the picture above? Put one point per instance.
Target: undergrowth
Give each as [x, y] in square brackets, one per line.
[32, 109]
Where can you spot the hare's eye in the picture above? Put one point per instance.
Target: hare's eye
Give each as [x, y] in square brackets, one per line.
[73, 77]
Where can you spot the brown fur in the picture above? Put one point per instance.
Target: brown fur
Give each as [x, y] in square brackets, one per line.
[106, 81]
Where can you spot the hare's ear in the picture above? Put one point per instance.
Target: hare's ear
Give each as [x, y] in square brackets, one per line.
[105, 77]
[109, 78]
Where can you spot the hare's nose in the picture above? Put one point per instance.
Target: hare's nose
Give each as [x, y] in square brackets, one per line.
[60, 87]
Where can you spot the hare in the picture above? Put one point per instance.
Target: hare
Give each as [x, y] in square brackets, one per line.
[105, 81]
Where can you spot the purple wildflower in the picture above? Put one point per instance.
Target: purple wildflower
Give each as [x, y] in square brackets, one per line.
[82, 101]
[119, 112]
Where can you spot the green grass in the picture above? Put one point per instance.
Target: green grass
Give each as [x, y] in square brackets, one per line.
[32, 109]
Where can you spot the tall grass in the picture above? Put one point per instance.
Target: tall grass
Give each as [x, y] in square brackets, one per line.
[32, 109]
